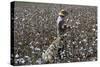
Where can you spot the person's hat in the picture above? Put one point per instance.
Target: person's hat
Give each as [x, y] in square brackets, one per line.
[63, 13]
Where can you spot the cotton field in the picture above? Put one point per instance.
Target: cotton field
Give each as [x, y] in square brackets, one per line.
[35, 29]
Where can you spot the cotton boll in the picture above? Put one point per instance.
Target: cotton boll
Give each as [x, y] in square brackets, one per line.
[31, 47]
[21, 60]
[80, 42]
[37, 49]
[16, 56]
[26, 56]
[20, 43]
[85, 40]
[68, 61]
[37, 42]
[93, 29]
[16, 18]
[77, 22]
[37, 34]
[23, 19]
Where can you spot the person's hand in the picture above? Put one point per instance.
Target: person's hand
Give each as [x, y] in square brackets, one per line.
[68, 27]
[64, 26]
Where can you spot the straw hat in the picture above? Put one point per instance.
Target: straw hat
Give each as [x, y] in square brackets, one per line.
[62, 12]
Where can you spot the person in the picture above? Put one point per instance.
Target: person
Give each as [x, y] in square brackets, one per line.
[60, 22]
[61, 29]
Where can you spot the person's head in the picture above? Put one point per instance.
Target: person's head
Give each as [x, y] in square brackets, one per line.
[63, 13]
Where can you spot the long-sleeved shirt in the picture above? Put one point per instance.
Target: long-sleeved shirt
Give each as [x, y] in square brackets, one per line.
[59, 19]
[60, 22]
